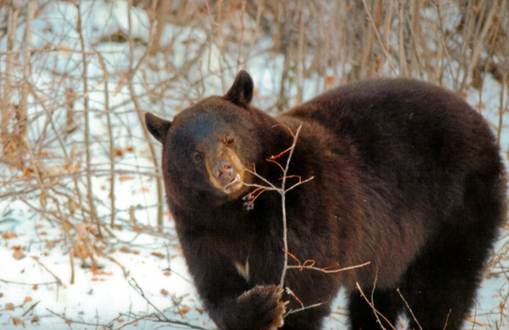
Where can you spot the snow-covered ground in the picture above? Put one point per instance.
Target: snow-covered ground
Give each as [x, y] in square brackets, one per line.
[140, 272]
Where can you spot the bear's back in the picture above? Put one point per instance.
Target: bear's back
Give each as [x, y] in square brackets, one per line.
[410, 138]
[390, 118]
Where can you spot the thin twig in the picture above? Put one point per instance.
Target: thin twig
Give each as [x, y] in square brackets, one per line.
[375, 311]
[409, 309]
[160, 315]
[326, 270]
[57, 279]
[86, 129]
[283, 206]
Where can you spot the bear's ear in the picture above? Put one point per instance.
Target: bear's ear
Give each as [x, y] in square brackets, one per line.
[158, 127]
[241, 91]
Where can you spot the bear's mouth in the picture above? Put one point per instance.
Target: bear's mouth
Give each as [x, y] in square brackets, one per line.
[234, 185]
[227, 173]
[231, 183]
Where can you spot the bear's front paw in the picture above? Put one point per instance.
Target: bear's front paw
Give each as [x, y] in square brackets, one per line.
[264, 307]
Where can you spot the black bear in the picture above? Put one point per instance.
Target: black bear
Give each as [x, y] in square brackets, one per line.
[406, 176]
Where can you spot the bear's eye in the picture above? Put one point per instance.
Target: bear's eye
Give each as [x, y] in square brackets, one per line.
[197, 157]
[228, 140]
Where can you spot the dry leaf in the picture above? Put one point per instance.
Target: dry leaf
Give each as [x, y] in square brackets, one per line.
[123, 178]
[44, 154]
[329, 81]
[124, 249]
[9, 307]
[71, 205]
[81, 251]
[184, 310]
[16, 321]
[164, 292]
[66, 226]
[157, 254]
[18, 252]
[27, 299]
[9, 235]
[72, 168]
[51, 244]
[119, 152]
[27, 171]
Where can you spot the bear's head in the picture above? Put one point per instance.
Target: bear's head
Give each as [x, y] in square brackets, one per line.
[208, 146]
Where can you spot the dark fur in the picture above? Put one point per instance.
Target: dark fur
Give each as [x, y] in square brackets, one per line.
[406, 175]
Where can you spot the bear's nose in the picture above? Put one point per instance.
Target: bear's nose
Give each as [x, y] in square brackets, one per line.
[224, 171]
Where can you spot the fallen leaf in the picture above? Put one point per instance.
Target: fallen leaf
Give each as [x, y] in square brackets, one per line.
[27, 299]
[9, 306]
[119, 152]
[125, 177]
[184, 310]
[16, 321]
[9, 235]
[157, 254]
[81, 251]
[27, 171]
[18, 252]
[164, 292]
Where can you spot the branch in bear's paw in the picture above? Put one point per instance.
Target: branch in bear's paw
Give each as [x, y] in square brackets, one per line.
[302, 306]
[294, 296]
[283, 204]
[310, 264]
[299, 183]
[250, 198]
[278, 155]
[293, 311]
[269, 185]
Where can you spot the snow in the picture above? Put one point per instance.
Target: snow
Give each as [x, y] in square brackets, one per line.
[107, 297]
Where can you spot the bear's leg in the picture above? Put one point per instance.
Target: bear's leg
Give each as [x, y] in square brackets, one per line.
[362, 316]
[441, 284]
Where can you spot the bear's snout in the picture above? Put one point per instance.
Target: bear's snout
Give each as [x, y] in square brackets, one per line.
[224, 172]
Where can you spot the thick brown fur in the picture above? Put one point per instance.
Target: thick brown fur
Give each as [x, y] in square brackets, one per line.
[406, 176]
